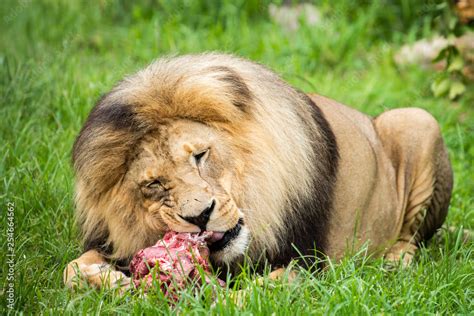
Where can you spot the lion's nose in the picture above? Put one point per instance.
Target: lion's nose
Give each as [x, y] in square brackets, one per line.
[202, 219]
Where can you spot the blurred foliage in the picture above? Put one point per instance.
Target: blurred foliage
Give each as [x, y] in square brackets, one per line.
[451, 81]
[192, 13]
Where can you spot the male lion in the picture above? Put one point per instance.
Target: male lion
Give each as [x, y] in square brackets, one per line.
[214, 142]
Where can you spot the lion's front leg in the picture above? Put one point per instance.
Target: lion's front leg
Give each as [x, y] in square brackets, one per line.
[92, 269]
[280, 274]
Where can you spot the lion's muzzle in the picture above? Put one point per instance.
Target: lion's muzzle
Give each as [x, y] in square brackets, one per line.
[202, 219]
[227, 237]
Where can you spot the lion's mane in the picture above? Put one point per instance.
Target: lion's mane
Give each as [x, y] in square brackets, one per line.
[287, 151]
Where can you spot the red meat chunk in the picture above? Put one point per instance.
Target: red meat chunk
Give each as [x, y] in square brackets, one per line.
[173, 261]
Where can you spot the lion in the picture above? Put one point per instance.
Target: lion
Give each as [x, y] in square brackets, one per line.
[219, 143]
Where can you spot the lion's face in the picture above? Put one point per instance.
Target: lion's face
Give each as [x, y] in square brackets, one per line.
[181, 180]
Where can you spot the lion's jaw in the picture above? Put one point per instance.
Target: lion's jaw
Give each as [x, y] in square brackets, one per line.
[181, 171]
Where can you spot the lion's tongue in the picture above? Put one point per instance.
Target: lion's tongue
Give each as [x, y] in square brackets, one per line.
[216, 236]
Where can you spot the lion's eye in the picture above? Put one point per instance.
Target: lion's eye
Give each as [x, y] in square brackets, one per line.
[154, 184]
[199, 157]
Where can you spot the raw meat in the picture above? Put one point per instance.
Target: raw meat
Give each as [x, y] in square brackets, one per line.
[173, 262]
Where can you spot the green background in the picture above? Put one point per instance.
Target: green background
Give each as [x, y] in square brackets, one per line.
[58, 57]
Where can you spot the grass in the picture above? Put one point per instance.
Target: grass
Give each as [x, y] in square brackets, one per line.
[58, 57]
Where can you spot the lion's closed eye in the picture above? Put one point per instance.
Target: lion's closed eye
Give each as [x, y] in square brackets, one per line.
[200, 157]
[155, 184]
[154, 190]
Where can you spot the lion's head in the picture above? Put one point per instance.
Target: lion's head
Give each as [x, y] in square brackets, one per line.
[202, 142]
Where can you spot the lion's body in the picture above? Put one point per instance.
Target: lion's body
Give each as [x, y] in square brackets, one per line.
[302, 172]
[388, 170]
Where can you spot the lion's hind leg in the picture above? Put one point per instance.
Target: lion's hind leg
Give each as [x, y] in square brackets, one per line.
[412, 139]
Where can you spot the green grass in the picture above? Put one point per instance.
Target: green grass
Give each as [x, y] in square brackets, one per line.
[58, 57]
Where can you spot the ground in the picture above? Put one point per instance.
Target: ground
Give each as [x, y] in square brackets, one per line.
[58, 57]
